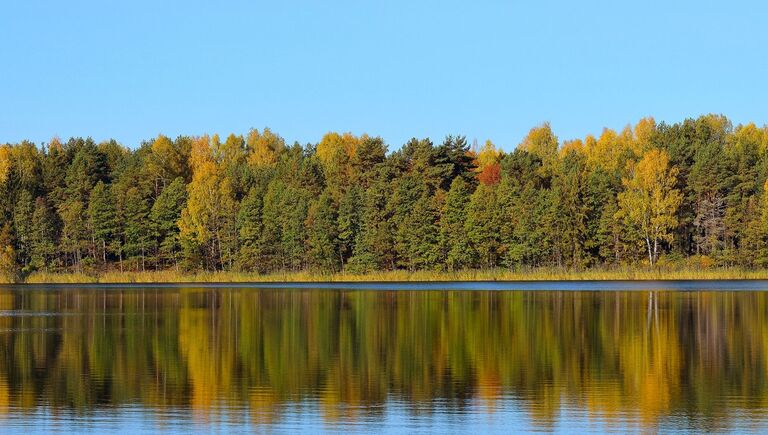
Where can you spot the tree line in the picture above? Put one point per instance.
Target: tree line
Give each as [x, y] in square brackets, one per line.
[692, 191]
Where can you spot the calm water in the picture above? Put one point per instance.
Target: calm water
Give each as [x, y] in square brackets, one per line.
[621, 356]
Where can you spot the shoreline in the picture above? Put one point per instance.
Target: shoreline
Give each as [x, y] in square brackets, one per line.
[543, 274]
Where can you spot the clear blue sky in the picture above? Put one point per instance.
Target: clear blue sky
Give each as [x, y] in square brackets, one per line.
[133, 69]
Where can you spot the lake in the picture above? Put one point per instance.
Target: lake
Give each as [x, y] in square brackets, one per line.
[395, 357]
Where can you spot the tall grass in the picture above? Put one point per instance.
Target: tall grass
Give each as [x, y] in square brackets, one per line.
[539, 274]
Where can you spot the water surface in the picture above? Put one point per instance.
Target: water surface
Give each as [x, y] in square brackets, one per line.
[456, 357]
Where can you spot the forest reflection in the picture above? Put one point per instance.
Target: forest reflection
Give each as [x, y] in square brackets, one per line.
[647, 355]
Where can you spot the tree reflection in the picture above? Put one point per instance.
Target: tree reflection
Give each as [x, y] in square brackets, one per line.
[645, 355]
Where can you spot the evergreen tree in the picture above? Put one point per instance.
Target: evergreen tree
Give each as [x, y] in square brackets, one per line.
[349, 222]
[271, 235]
[74, 232]
[165, 214]
[374, 248]
[568, 211]
[102, 214]
[8, 267]
[524, 201]
[43, 239]
[284, 233]
[408, 192]
[483, 226]
[322, 235]
[293, 230]
[249, 227]
[22, 222]
[602, 234]
[457, 253]
[137, 233]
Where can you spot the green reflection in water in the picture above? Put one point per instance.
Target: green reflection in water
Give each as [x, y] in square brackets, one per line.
[646, 356]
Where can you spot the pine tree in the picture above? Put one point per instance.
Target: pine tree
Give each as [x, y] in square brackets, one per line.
[293, 232]
[457, 253]
[44, 246]
[74, 232]
[524, 202]
[102, 214]
[322, 235]
[22, 223]
[483, 226]
[568, 211]
[136, 231]
[374, 248]
[165, 214]
[284, 233]
[249, 224]
[349, 222]
[423, 250]
[271, 234]
[408, 191]
[8, 267]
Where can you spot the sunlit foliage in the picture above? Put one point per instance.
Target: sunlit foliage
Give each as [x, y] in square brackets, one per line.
[649, 193]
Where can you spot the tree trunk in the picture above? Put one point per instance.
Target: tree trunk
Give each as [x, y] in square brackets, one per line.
[650, 250]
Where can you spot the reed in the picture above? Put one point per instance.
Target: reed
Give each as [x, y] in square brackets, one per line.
[538, 274]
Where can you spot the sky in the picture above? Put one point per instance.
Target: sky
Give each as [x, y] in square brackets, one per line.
[131, 70]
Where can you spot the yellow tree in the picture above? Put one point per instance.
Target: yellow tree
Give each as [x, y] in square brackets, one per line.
[7, 254]
[643, 133]
[168, 160]
[606, 151]
[209, 215]
[335, 152]
[649, 203]
[264, 148]
[488, 155]
[5, 162]
[542, 142]
[488, 167]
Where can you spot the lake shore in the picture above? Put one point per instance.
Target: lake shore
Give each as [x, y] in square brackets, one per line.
[541, 274]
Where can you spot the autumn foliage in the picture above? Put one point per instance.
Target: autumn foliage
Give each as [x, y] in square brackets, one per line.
[347, 203]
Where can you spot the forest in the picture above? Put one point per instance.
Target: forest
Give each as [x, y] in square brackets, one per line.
[691, 193]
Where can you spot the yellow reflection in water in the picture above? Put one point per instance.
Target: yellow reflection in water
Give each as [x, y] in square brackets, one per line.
[614, 355]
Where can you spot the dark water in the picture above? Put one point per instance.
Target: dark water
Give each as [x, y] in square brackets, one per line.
[621, 356]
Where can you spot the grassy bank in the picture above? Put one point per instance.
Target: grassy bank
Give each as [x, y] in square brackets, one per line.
[467, 275]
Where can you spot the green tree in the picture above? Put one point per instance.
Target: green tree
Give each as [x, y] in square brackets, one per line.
[349, 222]
[74, 231]
[283, 236]
[457, 253]
[322, 235]
[483, 226]
[8, 267]
[44, 236]
[104, 223]
[250, 256]
[165, 215]
[524, 204]
[137, 235]
[22, 223]
[374, 248]
[568, 211]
